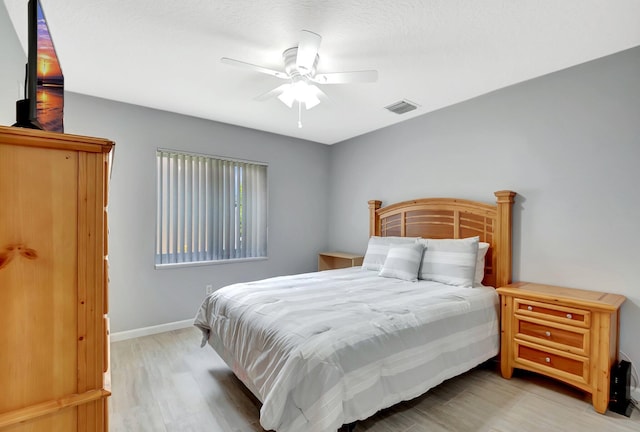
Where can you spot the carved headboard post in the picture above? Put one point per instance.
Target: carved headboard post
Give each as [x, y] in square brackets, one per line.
[374, 219]
[505, 200]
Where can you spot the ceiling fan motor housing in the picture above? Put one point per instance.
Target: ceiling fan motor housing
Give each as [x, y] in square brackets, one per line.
[289, 56]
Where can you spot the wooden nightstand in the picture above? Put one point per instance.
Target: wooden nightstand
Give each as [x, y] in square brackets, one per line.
[564, 333]
[338, 260]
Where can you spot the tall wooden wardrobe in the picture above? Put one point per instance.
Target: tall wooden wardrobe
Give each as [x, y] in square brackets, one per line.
[54, 356]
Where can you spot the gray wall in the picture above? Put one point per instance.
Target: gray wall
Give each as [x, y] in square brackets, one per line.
[141, 296]
[567, 143]
[12, 70]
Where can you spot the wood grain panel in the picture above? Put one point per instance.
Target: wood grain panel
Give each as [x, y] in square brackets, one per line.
[558, 336]
[436, 223]
[91, 280]
[59, 420]
[47, 140]
[557, 313]
[37, 293]
[392, 226]
[546, 359]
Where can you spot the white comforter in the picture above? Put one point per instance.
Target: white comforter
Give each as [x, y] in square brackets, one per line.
[328, 348]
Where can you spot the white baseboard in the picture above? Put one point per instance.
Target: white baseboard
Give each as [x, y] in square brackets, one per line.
[146, 331]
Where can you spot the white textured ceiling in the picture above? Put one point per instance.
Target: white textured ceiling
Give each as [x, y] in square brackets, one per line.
[165, 54]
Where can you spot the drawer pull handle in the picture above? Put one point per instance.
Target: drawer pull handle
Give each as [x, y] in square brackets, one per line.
[529, 308]
[569, 316]
[547, 359]
[547, 333]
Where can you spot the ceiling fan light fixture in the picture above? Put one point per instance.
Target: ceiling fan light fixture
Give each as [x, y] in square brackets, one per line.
[300, 91]
[288, 96]
[311, 101]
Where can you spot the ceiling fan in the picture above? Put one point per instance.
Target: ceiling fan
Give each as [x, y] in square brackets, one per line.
[300, 69]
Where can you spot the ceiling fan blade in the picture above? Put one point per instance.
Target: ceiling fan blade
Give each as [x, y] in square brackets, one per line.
[272, 93]
[256, 68]
[346, 77]
[307, 51]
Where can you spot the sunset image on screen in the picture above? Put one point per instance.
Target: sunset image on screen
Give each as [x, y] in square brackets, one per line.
[48, 66]
[50, 94]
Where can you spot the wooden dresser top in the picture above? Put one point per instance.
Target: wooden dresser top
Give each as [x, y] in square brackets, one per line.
[557, 294]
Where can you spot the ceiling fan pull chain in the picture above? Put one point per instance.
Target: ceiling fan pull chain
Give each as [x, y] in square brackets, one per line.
[299, 115]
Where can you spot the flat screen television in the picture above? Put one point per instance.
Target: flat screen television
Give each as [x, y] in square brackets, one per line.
[43, 106]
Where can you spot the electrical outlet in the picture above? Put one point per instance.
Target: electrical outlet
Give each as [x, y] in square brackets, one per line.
[208, 289]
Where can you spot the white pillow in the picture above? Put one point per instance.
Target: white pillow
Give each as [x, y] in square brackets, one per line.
[450, 261]
[377, 249]
[482, 251]
[403, 262]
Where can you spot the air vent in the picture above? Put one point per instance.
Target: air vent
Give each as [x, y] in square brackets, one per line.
[402, 107]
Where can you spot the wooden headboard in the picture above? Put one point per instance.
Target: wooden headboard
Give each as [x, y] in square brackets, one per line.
[453, 218]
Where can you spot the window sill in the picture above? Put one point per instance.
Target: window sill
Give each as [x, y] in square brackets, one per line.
[206, 263]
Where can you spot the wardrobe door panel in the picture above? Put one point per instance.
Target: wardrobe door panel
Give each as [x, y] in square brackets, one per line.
[38, 288]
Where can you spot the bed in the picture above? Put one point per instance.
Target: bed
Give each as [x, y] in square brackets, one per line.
[328, 348]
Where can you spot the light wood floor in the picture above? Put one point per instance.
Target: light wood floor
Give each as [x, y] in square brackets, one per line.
[166, 383]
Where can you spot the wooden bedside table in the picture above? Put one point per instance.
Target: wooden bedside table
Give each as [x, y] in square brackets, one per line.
[564, 333]
[338, 260]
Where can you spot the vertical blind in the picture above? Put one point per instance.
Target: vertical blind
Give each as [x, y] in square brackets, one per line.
[209, 208]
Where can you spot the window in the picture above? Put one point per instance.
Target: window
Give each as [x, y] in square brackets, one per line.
[209, 208]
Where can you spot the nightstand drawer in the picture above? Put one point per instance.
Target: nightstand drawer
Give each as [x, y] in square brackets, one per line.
[551, 312]
[575, 368]
[571, 339]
